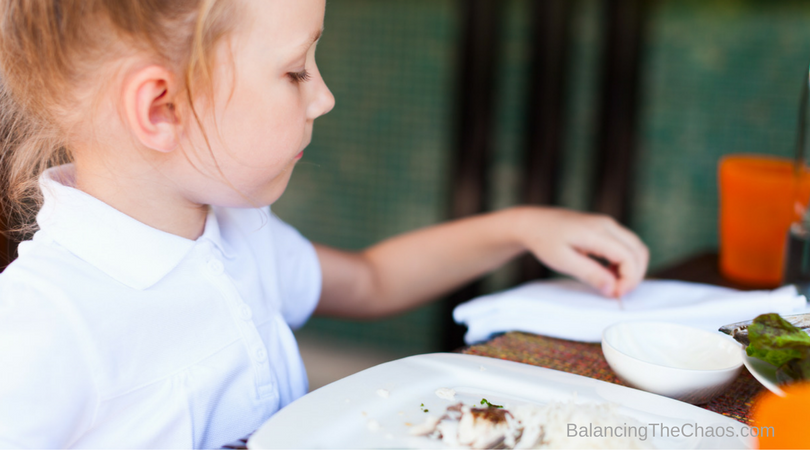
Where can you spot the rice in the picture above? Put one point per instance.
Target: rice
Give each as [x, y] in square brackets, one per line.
[556, 425]
[550, 426]
[446, 394]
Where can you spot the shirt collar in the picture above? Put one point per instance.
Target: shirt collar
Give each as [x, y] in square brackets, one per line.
[127, 250]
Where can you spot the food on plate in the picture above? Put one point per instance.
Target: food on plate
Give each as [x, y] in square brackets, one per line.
[531, 426]
[446, 394]
[779, 342]
[473, 427]
[739, 330]
[487, 403]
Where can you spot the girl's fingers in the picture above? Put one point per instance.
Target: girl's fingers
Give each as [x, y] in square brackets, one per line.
[628, 264]
[626, 284]
[630, 239]
[585, 269]
[630, 274]
[581, 235]
[642, 259]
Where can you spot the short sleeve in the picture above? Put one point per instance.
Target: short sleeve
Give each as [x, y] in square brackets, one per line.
[47, 393]
[299, 273]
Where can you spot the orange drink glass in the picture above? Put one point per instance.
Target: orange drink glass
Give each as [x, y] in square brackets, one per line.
[760, 196]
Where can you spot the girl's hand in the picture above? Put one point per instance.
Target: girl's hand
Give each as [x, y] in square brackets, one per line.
[565, 241]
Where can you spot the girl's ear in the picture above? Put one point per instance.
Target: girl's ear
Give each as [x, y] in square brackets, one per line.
[149, 107]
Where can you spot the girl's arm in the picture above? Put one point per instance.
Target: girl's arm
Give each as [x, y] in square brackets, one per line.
[408, 270]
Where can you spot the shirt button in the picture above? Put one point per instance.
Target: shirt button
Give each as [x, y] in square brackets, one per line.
[260, 355]
[245, 312]
[215, 266]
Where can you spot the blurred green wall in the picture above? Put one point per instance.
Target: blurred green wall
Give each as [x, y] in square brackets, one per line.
[378, 162]
[718, 77]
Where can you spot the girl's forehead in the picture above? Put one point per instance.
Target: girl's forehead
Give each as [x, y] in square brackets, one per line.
[289, 24]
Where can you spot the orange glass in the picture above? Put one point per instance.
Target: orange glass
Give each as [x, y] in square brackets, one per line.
[760, 196]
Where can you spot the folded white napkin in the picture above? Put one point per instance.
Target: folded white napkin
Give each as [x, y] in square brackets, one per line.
[568, 309]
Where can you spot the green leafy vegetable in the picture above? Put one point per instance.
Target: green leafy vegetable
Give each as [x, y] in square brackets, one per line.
[490, 405]
[793, 370]
[776, 341]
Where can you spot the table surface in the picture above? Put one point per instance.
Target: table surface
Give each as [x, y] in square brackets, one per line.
[586, 359]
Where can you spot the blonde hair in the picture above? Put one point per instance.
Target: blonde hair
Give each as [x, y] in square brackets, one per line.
[53, 50]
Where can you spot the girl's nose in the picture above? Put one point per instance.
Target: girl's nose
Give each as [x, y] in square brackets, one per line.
[323, 101]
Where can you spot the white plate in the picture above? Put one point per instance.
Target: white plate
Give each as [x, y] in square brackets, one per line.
[764, 372]
[350, 413]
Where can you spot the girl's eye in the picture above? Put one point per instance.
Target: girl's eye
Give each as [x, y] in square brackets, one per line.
[300, 77]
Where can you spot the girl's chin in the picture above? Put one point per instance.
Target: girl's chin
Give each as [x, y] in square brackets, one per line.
[255, 198]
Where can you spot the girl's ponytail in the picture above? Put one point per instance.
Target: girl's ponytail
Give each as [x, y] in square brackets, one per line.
[27, 147]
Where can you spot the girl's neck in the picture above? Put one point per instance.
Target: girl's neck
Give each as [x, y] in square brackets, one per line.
[146, 197]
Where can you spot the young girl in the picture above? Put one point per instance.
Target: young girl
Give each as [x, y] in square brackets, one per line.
[153, 306]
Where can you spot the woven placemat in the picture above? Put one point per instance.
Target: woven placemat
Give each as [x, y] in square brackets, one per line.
[587, 359]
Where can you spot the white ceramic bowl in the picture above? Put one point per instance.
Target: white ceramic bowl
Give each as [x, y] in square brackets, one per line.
[674, 360]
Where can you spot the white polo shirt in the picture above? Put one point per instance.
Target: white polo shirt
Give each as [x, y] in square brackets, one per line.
[115, 334]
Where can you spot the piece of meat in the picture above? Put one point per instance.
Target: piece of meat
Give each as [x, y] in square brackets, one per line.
[486, 427]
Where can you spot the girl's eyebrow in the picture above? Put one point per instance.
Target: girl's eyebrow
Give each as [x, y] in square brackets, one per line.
[315, 36]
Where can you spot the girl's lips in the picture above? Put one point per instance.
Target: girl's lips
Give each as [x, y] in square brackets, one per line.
[300, 155]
